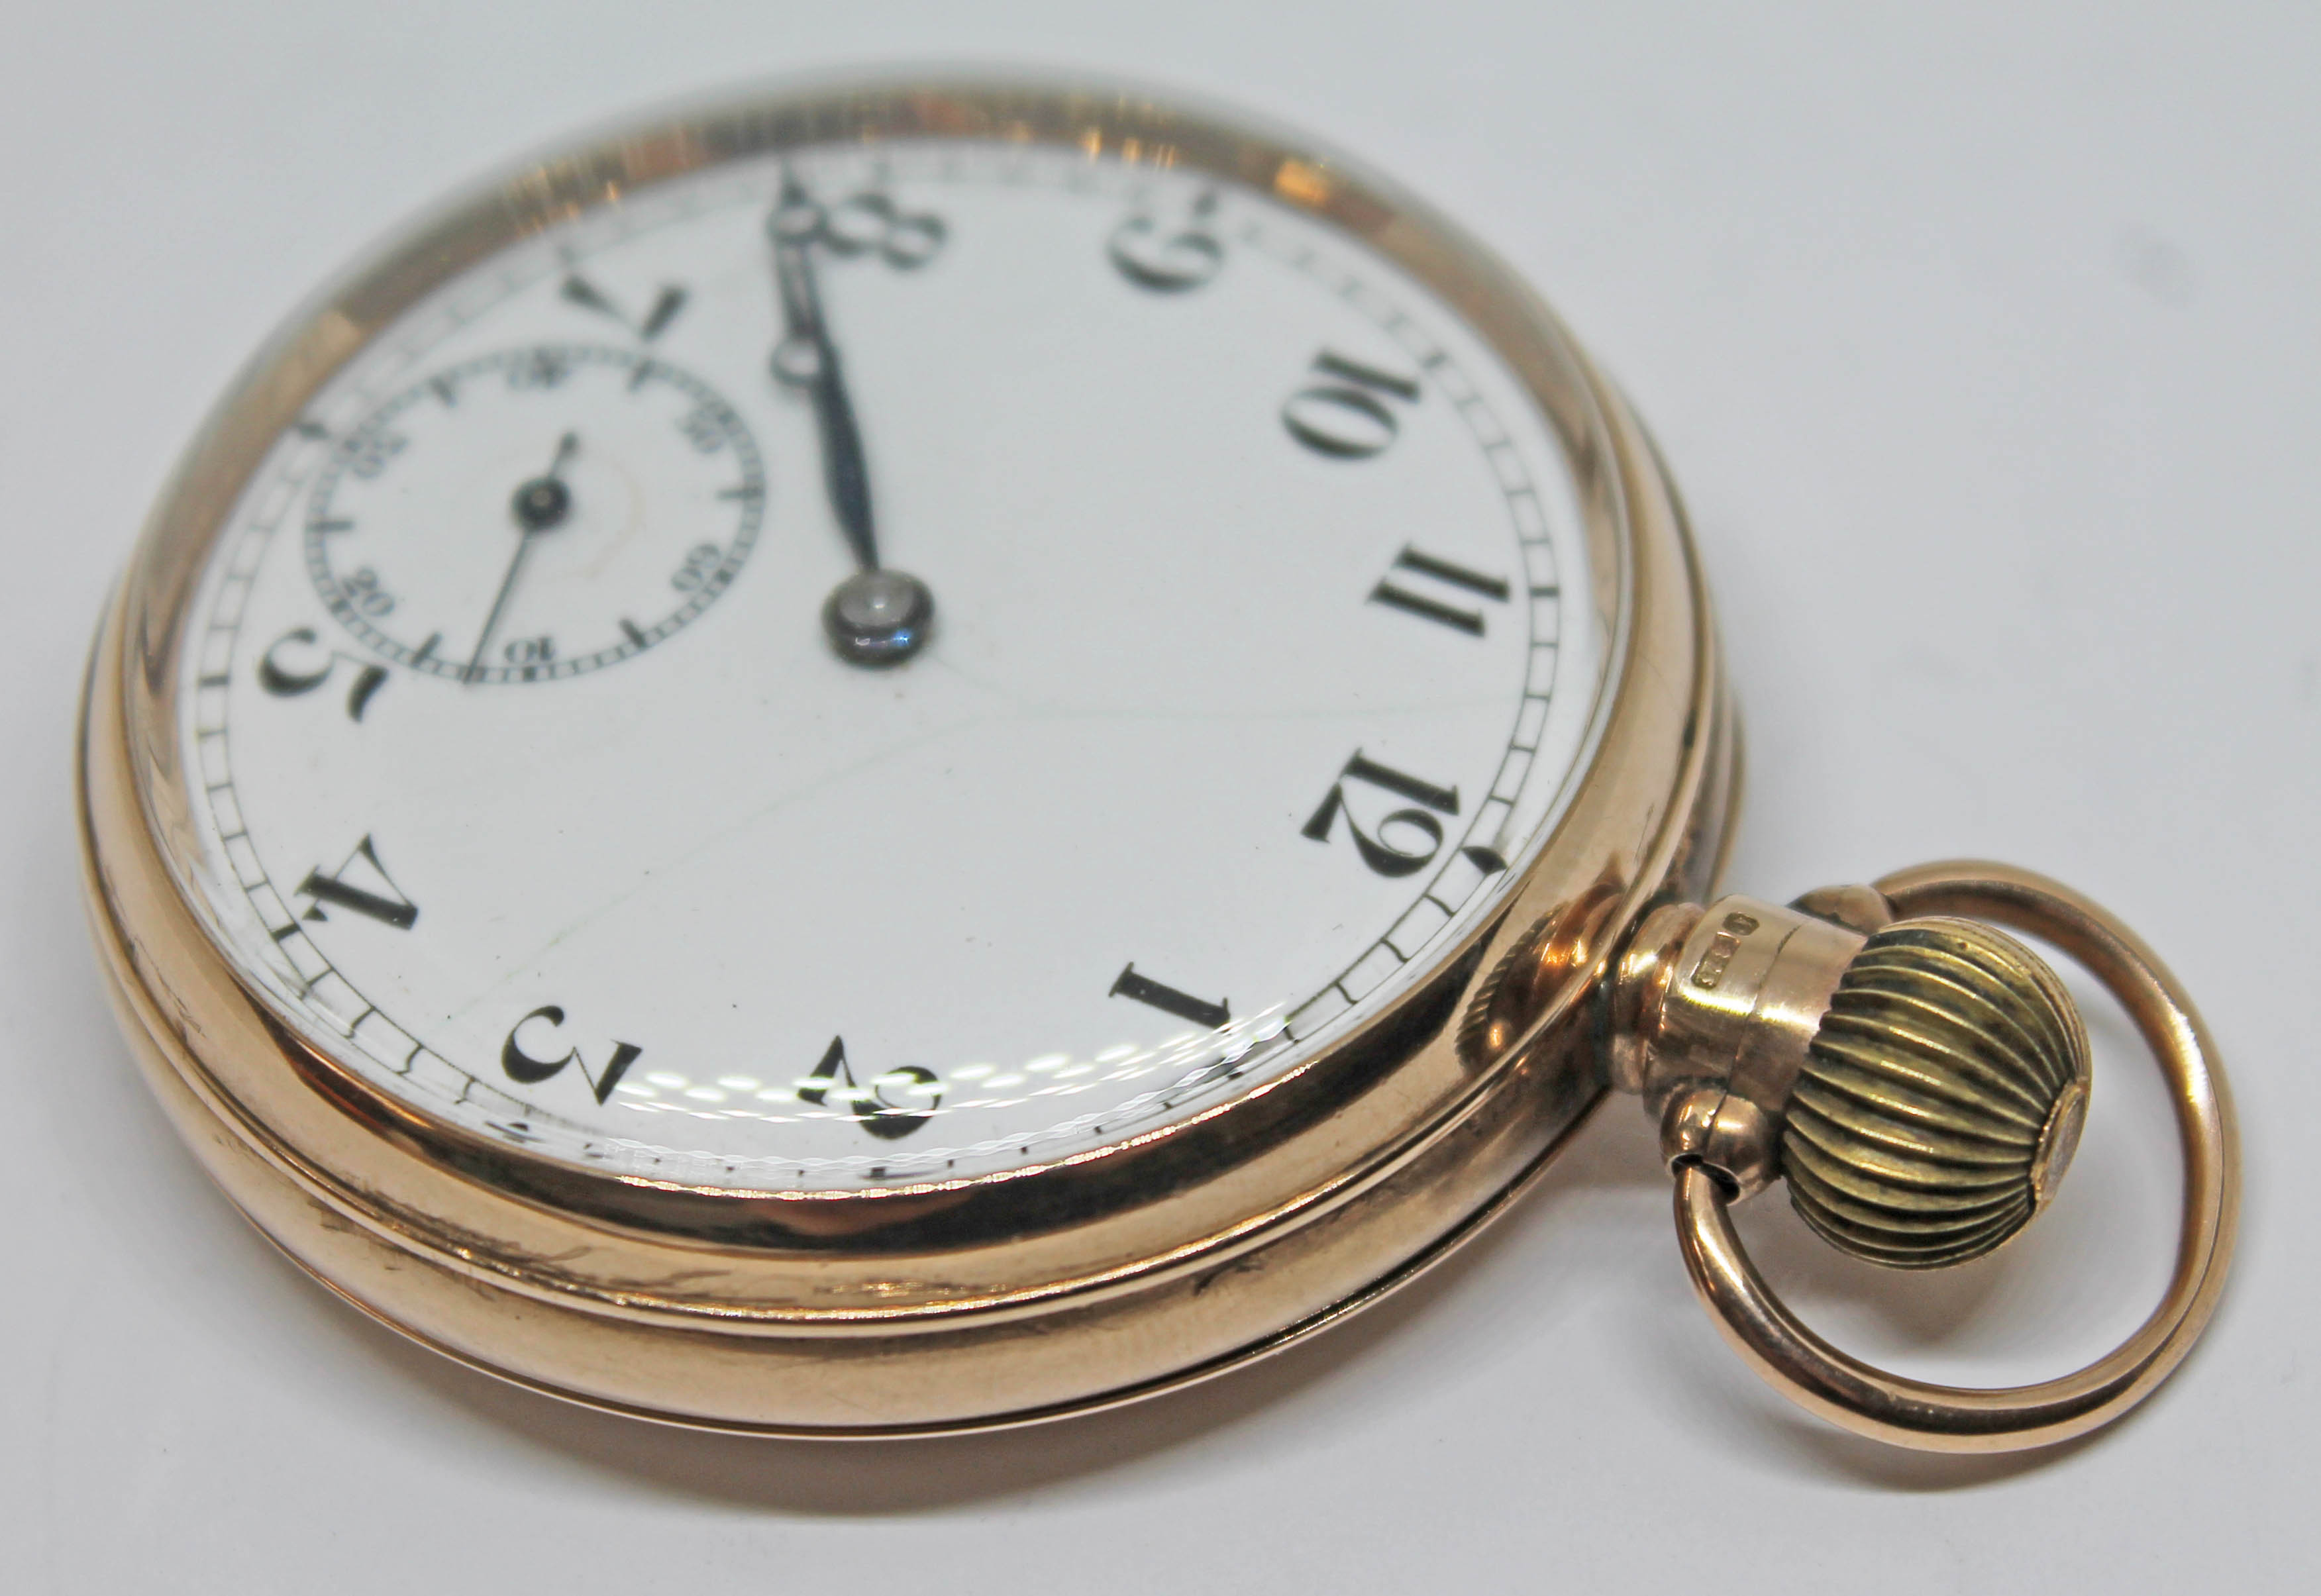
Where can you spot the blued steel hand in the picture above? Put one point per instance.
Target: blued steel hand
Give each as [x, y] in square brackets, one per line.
[875, 616]
[539, 506]
[807, 358]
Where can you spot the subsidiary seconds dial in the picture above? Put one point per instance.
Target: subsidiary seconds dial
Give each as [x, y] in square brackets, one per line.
[534, 513]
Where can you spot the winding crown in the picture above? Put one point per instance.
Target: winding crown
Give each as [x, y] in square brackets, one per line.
[1941, 1098]
[1921, 1082]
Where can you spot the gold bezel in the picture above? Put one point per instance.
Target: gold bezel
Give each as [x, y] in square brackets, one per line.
[944, 1306]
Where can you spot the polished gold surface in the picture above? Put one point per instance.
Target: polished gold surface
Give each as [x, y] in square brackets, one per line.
[1717, 1010]
[1915, 1413]
[1941, 1100]
[958, 1304]
[963, 1304]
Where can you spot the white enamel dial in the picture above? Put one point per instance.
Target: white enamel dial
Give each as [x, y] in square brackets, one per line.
[1262, 654]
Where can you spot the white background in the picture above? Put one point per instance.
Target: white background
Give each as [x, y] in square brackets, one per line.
[1987, 343]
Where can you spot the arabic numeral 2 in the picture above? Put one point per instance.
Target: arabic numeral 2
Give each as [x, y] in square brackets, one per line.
[703, 428]
[874, 1107]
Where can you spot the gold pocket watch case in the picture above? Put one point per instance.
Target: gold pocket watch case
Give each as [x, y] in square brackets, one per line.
[914, 755]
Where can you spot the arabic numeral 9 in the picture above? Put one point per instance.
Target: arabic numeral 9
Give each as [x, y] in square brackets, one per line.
[702, 562]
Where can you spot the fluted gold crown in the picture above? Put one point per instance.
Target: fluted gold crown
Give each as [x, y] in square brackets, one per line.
[1941, 1098]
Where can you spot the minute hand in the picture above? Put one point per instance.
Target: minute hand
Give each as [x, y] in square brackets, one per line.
[808, 359]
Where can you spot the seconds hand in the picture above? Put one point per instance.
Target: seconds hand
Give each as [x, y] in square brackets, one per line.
[875, 616]
[539, 506]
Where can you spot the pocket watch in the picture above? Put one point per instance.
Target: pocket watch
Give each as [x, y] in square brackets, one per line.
[915, 755]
